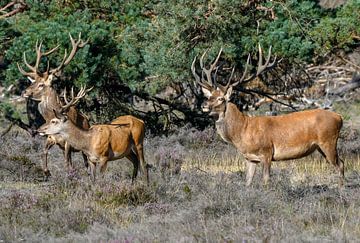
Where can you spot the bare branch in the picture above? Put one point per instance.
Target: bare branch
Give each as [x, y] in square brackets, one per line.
[19, 6]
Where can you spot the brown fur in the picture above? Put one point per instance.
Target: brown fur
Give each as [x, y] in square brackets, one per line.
[101, 143]
[271, 138]
[137, 130]
[42, 91]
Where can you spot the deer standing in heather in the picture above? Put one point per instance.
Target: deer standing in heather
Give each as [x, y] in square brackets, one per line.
[101, 143]
[41, 90]
[268, 138]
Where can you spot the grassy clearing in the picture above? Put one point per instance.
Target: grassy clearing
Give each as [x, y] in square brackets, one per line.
[206, 201]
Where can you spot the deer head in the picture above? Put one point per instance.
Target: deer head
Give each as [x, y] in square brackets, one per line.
[41, 81]
[58, 123]
[219, 95]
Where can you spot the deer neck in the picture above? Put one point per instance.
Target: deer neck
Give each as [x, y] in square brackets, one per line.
[230, 123]
[48, 103]
[77, 137]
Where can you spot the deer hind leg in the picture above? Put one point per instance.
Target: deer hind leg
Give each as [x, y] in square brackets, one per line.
[134, 159]
[266, 171]
[250, 172]
[329, 151]
[49, 143]
[139, 148]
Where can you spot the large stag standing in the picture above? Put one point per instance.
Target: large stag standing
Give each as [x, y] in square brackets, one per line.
[268, 138]
[42, 90]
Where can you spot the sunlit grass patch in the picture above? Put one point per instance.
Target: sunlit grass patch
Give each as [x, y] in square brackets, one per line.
[299, 171]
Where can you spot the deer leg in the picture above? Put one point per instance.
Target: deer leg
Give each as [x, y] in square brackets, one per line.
[266, 171]
[67, 154]
[140, 155]
[329, 151]
[86, 162]
[103, 166]
[250, 172]
[93, 170]
[133, 158]
[49, 143]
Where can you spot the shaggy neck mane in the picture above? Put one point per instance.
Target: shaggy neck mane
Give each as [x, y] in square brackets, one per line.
[49, 103]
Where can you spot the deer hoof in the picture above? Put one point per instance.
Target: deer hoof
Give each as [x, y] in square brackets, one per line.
[47, 174]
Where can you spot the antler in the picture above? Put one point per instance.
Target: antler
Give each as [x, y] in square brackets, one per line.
[208, 83]
[18, 7]
[34, 70]
[67, 59]
[262, 67]
[74, 99]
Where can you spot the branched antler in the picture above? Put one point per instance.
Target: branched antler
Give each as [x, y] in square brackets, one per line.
[74, 99]
[35, 73]
[210, 82]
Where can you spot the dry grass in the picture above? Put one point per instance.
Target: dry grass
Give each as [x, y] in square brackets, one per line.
[206, 201]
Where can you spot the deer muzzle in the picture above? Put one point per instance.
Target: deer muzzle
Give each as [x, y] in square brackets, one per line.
[42, 131]
[205, 107]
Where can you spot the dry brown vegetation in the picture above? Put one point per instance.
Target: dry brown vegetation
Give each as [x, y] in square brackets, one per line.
[204, 201]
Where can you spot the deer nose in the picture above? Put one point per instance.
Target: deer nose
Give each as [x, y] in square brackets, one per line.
[24, 94]
[40, 132]
[205, 107]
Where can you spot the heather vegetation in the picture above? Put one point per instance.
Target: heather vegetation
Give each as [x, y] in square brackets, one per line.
[207, 200]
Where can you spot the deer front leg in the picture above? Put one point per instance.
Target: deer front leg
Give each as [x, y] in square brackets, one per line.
[250, 172]
[93, 170]
[86, 163]
[49, 143]
[67, 154]
[103, 166]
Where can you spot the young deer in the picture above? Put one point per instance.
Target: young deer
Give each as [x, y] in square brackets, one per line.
[101, 143]
[41, 90]
[268, 138]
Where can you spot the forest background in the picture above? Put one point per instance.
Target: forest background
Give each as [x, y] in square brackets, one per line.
[139, 53]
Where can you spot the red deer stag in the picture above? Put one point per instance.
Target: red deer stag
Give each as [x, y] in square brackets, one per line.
[101, 143]
[268, 138]
[42, 90]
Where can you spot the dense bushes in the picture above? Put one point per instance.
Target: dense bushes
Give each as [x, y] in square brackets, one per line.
[139, 47]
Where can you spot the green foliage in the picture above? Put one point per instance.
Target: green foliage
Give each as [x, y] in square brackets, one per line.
[143, 46]
[338, 32]
[8, 110]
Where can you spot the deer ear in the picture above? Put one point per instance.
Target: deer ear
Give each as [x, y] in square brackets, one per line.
[228, 93]
[57, 115]
[31, 80]
[207, 92]
[60, 115]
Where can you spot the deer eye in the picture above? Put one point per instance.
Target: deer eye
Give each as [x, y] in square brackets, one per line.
[53, 121]
[41, 86]
[220, 98]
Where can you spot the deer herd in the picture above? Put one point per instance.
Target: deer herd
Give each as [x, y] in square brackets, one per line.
[260, 139]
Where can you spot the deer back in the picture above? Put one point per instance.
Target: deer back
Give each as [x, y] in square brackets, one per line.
[136, 127]
[111, 141]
